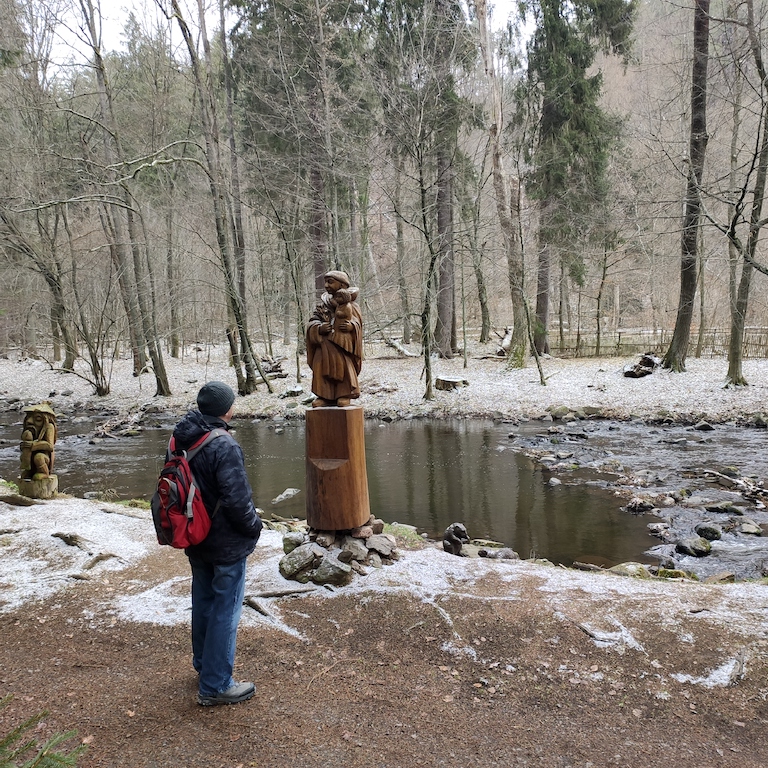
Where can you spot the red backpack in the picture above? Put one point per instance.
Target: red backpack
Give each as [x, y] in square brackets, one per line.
[180, 517]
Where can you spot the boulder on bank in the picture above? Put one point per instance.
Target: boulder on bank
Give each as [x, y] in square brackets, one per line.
[297, 563]
[709, 531]
[502, 553]
[635, 570]
[332, 571]
[750, 527]
[292, 540]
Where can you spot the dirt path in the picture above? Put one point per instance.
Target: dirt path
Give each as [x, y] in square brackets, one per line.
[526, 666]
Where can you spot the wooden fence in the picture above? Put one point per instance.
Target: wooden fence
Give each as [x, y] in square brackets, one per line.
[636, 341]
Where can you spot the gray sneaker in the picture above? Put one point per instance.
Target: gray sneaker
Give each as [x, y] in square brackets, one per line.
[234, 694]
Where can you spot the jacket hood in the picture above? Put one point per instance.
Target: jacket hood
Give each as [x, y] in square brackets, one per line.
[193, 426]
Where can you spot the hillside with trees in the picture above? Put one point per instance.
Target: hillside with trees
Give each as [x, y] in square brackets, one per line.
[582, 173]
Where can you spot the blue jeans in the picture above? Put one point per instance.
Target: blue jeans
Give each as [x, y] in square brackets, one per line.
[217, 602]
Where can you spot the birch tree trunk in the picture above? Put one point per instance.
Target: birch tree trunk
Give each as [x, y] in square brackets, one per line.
[507, 193]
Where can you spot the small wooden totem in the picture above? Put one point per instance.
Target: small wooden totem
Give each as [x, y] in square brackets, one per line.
[37, 446]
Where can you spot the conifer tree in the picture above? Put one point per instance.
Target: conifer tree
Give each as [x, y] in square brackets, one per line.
[570, 151]
[20, 750]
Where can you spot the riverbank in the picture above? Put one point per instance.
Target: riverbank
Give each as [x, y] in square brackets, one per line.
[393, 388]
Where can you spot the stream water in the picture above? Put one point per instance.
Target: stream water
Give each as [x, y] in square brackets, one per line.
[426, 474]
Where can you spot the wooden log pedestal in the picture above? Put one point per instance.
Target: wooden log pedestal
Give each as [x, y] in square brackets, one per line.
[42, 488]
[337, 481]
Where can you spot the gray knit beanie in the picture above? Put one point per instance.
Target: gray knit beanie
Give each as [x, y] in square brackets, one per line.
[215, 398]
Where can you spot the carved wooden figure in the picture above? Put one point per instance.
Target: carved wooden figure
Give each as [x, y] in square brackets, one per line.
[37, 446]
[335, 343]
[337, 483]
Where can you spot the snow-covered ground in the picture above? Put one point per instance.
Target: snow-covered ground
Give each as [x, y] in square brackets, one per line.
[395, 386]
[36, 563]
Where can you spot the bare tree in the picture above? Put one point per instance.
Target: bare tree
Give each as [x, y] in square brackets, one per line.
[758, 170]
[507, 192]
[221, 199]
[120, 213]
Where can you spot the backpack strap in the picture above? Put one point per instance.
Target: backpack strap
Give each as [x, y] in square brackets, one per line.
[196, 447]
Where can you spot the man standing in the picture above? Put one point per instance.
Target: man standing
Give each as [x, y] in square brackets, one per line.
[218, 562]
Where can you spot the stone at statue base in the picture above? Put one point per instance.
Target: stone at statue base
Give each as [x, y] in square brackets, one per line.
[337, 482]
[44, 488]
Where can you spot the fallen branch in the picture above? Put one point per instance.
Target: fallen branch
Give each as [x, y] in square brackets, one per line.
[73, 540]
[138, 515]
[399, 347]
[16, 500]
[252, 602]
[284, 592]
[280, 519]
[100, 558]
[328, 669]
[585, 566]
[269, 377]
[586, 630]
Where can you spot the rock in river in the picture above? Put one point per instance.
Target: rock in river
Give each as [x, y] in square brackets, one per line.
[709, 531]
[695, 546]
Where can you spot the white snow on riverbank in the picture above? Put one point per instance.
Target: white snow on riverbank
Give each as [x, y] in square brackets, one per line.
[36, 564]
[395, 386]
[36, 561]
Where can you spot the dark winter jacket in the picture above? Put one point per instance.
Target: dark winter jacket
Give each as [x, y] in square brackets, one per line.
[219, 470]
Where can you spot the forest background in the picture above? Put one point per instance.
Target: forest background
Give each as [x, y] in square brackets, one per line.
[582, 177]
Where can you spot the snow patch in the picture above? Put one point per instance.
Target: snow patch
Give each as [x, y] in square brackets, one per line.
[162, 604]
[721, 677]
[34, 563]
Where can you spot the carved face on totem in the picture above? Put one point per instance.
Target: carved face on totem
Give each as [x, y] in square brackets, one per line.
[35, 422]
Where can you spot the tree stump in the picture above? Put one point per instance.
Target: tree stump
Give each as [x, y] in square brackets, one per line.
[449, 383]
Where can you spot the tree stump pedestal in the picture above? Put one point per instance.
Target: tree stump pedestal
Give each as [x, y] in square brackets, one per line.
[337, 481]
[43, 488]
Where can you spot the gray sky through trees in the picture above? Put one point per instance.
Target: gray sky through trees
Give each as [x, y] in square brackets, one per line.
[114, 16]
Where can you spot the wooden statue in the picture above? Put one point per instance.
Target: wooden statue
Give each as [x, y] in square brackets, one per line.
[38, 441]
[335, 343]
[337, 483]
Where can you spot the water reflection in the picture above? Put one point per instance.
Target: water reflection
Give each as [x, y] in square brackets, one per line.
[432, 474]
[427, 474]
